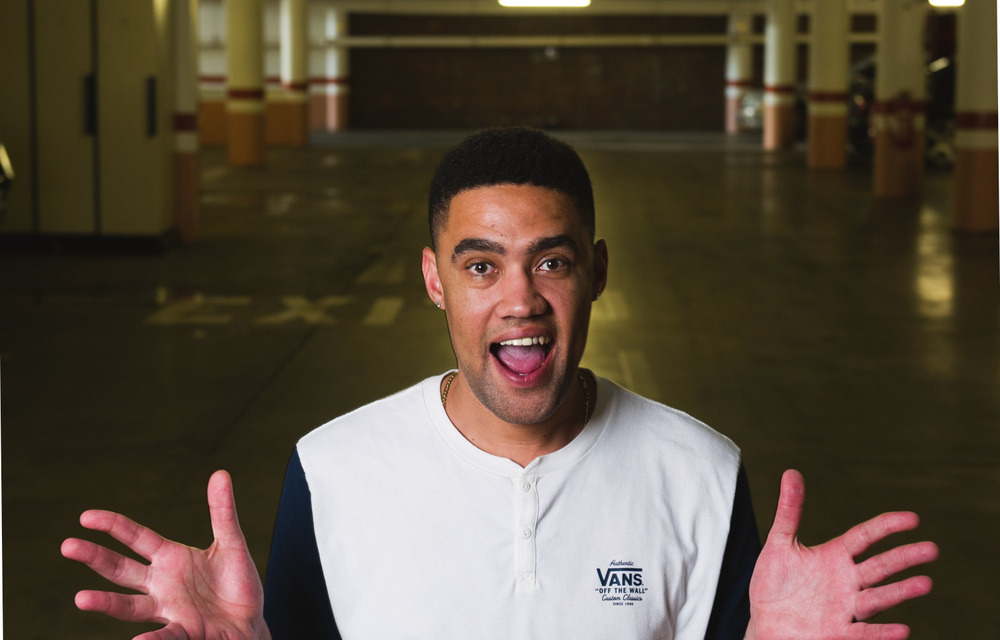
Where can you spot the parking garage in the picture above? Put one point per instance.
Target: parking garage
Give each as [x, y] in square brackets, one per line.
[211, 241]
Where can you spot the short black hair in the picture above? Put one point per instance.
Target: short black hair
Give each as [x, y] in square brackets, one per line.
[509, 155]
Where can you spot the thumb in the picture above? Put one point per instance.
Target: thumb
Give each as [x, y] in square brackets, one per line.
[222, 510]
[789, 511]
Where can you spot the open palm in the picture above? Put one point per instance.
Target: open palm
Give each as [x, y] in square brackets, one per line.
[800, 592]
[212, 593]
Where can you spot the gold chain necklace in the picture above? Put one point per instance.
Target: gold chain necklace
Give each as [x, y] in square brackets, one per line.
[580, 376]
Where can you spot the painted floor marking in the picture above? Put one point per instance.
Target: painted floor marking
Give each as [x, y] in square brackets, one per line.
[198, 309]
[388, 270]
[300, 308]
[281, 204]
[383, 312]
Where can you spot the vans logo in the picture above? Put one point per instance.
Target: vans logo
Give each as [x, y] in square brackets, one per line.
[621, 583]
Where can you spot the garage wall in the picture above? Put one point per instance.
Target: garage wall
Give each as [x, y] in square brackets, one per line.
[428, 71]
[572, 88]
[666, 88]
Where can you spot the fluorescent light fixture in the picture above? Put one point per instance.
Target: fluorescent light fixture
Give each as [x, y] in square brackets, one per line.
[544, 3]
[947, 3]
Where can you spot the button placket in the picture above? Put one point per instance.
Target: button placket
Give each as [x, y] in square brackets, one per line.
[526, 520]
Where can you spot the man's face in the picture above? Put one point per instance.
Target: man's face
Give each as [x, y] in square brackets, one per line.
[516, 274]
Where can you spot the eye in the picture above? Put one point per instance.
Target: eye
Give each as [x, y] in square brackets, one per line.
[480, 268]
[553, 264]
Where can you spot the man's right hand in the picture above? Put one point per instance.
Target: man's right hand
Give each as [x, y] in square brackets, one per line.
[212, 593]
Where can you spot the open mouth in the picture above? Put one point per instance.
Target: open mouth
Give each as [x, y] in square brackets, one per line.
[522, 355]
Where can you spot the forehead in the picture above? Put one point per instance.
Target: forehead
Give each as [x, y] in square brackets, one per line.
[510, 212]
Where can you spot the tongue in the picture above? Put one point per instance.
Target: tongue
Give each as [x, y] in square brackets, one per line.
[521, 360]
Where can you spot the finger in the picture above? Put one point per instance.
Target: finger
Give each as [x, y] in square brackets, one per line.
[876, 600]
[136, 537]
[124, 572]
[877, 568]
[222, 509]
[131, 608]
[789, 512]
[859, 538]
[863, 631]
[170, 632]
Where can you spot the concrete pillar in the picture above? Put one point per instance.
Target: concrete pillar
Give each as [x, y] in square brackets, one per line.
[976, 168]
[212, 73]
[779, 75]
[274, 96]
[337, 70]
[828, 59]
[898, 113]
[187, 183]
[294, 75]
[317, 65]
[245, 96]
[739, 67]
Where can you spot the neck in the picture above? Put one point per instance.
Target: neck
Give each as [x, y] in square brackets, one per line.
[521, 443]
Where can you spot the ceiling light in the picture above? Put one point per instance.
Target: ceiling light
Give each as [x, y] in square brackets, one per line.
[947, 3]
[545, 3]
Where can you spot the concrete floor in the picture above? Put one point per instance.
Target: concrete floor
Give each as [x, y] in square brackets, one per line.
[852, 339]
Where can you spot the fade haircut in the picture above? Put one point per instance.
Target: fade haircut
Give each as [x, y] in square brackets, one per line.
[509, 155]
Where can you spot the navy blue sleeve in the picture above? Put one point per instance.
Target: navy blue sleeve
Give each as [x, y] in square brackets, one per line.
[296, 602]
[731, 611]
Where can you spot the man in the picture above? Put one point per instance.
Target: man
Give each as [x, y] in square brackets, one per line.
[490, 501]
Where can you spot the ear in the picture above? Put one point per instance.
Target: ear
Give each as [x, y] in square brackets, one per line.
[432, 281]
[600, 267]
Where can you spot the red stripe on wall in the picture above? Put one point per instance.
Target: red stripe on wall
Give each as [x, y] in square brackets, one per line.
[295, 86]
[185, 122]
[246, 94]
[779, 88]
[828, 96]
[976, 119]
[896, 106]
[220, 79]
[324, 80]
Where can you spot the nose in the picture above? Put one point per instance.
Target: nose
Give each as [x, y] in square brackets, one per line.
[520, 297]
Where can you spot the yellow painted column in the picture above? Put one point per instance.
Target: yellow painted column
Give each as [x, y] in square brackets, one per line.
[245, 95]
[977, 204]
[898, 112]
[828, 54]
[338, 73]
[294, 78]
[739, 68]
[779, 75]
[187, 181]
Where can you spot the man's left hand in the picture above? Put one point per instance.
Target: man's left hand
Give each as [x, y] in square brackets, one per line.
[820, 593]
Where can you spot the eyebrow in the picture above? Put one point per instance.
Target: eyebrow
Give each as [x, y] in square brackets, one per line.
[562, 241]
[469, 245]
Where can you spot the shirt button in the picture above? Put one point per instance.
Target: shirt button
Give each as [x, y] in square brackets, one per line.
[526, 533]
[526, 486]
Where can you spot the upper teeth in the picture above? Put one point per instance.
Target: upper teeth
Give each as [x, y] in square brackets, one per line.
[526, 342]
